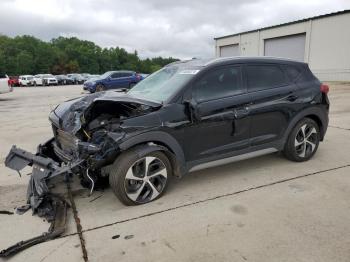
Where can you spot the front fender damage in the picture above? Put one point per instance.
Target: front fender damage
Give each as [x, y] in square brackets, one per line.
[87, 135]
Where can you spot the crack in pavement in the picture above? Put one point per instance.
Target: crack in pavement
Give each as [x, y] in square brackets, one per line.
[338, 127]
[209, 199]
[78, 224]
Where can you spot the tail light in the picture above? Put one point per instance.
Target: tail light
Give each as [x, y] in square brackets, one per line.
[324, 88]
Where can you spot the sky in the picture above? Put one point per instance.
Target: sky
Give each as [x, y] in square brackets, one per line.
[177, 28]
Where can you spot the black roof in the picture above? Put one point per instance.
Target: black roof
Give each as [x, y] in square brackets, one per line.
[198, 63]
[288, 23]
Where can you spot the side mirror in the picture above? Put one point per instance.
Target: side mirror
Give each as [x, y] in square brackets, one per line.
[192, 110]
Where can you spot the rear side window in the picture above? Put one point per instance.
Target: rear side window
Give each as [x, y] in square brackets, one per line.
[2, 75]
[219, 83]
[292, 72]
[260, 77]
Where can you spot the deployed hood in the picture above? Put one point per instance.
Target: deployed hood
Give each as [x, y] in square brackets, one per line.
[72, 114]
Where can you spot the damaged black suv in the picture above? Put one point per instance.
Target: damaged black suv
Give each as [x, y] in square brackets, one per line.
[187, 116]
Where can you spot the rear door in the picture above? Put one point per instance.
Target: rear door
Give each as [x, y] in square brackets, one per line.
[114, 81]
[223, 126]
[274, 101]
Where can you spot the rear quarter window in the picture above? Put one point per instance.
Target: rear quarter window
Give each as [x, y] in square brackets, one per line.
[292, 72]
[261, 77]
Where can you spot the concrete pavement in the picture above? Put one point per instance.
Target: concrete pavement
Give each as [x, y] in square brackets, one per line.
[263, 209]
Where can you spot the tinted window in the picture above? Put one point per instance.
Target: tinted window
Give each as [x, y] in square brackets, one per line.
[292, 72]
[260, 77]
[2, 75]
[218, 83]
[115, 75]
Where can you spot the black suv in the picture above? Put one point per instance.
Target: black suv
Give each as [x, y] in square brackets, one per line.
[187, 116]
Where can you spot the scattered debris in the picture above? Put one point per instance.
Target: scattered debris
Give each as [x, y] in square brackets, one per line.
[57, 228]
[127, 237]
[115, 237]
[5, 212]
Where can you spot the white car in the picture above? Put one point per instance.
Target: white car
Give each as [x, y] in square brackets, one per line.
[26, 80]
[5, 86]
[48, 80]
[38, 80]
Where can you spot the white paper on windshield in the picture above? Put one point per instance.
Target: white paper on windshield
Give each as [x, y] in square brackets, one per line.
[188, 72]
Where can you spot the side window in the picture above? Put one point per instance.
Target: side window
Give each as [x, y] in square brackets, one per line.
[260, 77]
[292, 72]
[115, 75]
[219, 83]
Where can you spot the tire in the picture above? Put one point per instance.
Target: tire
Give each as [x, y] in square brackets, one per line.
[131, 85]
[303, 141]
[128, 190]
[100, 88]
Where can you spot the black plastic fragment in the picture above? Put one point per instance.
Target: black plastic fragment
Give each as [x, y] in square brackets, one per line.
[57, 228]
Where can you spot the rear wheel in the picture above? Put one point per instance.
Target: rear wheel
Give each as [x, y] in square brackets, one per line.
[100, 88]
[303, 141]
[140, 178]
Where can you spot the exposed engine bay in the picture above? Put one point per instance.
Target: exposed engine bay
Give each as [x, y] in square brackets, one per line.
[87, 132]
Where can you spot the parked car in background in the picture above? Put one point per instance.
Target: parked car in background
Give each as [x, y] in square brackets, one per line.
[85, 76]
[113, 80]
[63, 80]
[76, 78]
[5, 86]
[26, 80]
[49, 79]
[144, 75]
[14, 80]
[38, 80]
[90, 79]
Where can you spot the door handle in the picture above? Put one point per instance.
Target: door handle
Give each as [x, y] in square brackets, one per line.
[241, 112]
[292, 98]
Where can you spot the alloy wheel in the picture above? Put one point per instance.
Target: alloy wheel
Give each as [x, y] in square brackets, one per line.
[145, 179]
[306, 140]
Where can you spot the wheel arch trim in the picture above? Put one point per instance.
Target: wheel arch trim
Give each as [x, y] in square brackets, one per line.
[315, 113]
[162, 141]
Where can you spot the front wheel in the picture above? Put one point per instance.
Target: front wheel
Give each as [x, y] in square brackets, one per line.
[303, 141]
[139, 178]
[100, 88]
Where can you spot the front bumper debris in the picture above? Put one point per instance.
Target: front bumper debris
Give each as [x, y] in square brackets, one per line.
[57, 228]
[39, 198]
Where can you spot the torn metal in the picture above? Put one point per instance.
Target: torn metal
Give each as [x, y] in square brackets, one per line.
[87, 132]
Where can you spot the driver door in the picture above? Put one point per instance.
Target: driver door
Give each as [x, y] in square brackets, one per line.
[223, 124]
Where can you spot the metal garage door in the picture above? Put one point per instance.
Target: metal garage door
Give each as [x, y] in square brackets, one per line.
[292, 46]
[229, 50]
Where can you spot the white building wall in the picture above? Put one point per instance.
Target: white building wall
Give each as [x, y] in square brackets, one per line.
[330, 48]
[327, 44]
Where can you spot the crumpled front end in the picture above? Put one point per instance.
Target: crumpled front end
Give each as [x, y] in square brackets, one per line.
[87, 132]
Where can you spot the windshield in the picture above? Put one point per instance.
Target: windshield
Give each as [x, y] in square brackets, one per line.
[105, 75]
[161, 85]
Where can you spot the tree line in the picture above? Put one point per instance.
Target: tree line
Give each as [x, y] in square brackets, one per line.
[62, 55]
